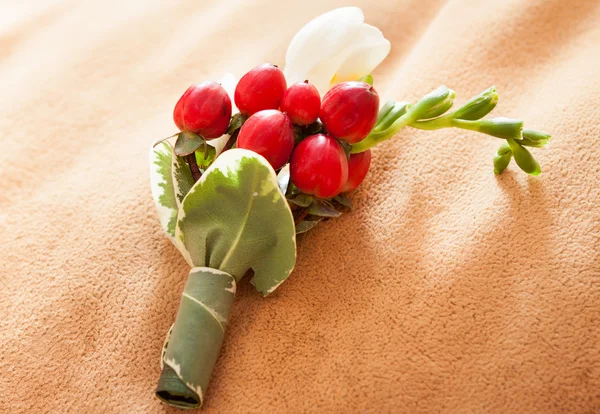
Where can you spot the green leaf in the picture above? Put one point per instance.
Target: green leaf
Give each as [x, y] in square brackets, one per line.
[306, 225]
[182, 178]
[158, 141]
[236, 218]
[237, 121]
[205, 158]
[322, 208]
[187, 143]
[367, 79]
[163, 190]
[343, 200]
[301, 200]
[479, 106]
[170, 180]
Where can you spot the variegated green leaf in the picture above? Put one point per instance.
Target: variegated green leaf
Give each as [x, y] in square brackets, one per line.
[182, 178]
[170, 180]
[236, 218]
[163, 190]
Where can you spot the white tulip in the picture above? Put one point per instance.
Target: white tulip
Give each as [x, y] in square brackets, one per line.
[335, 47]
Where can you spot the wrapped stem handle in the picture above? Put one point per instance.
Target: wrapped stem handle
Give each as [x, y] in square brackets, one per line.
[196, 338]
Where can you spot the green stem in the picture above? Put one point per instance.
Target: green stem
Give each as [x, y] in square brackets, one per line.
[407, 119]
[377, 137]
[446, 122]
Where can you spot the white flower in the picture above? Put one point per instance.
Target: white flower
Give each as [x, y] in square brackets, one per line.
[335, 47]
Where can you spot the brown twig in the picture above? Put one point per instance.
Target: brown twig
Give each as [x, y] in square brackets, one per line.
[231, 141]
[191, 160]
[301, 215]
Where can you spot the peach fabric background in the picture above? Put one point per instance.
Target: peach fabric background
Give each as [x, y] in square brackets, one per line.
[447, 290]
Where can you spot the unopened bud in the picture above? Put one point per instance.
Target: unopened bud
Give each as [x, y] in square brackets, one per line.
[385, 109]
[524, 159]
[434, 103]
[479, 106]
[502, 158]
[397, 110]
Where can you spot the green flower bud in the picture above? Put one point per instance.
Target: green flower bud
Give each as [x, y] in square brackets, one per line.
[391, 116]
[479, 106]
[385, 109]
[434, 103]
[506, 128]
[504, 149]
[502, 158]
[524, 159]
[536, 139]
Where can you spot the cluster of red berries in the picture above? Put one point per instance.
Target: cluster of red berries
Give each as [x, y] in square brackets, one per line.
[319, 164]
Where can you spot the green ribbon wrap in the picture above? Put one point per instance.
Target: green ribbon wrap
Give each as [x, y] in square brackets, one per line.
[195, 340]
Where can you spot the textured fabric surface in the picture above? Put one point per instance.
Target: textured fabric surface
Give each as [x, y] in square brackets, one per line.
[447, 290]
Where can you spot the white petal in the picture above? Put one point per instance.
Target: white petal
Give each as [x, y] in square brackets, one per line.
[320, 40]
[364, 56]
[229, 82]
[322, 74]
[218, 143]
[283, 178]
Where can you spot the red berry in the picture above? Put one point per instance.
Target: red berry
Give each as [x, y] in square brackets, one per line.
[205, 109]
[261, 88]
[301, 102]
[358, 166]
[269, 133]
[319, 166]
[349, 111]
